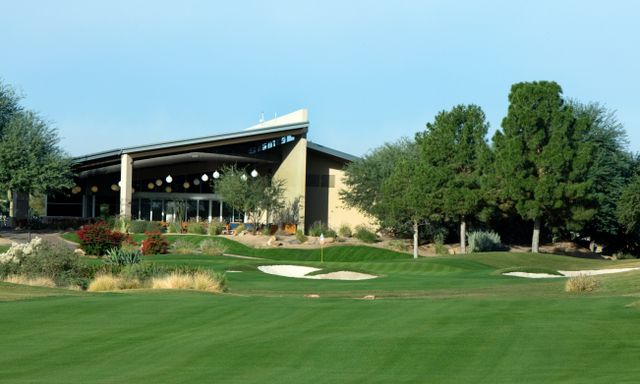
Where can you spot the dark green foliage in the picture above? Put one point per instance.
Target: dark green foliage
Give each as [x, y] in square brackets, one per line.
[123, 256]
[541, 164]
[453, 147]
[365, 235]
[30, 159]
[610, 170]
[628, 209]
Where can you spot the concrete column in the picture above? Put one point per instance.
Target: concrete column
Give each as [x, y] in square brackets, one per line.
[126, 187]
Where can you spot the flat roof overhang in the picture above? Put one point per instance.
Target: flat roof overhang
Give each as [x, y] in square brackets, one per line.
[187, 147]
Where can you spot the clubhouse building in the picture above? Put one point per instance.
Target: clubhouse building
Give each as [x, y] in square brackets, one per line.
[173, 181]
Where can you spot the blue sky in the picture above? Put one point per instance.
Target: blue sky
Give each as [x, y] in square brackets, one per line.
[118, 73]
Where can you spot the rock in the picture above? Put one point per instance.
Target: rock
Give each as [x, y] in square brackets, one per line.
[272, 240]
[294, 241]
[369, 297]
[79, 252]
[312, 296]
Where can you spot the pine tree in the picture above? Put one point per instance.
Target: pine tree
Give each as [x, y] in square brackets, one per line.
[454, 146]
[541, 166]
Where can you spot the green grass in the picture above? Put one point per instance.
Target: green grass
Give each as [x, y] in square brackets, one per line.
[439, 320]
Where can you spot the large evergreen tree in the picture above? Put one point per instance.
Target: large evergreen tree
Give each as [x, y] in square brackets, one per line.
[30, 159]
[454, 147]
[610, 170]
[541, 165]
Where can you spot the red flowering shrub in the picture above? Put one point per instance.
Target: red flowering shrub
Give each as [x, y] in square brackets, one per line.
[154, 244]
[97, 239]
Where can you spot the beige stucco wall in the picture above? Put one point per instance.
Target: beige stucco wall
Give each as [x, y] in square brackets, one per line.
[324, 203]
[293, 171]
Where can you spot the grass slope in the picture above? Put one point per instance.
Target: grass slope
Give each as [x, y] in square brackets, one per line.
[187, 337]
[437, 320]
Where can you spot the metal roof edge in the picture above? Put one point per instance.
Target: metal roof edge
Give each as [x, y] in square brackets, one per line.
[331, 151]
[198, 140]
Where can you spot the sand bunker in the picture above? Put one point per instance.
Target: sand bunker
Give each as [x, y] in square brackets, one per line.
[587, 272]
[300, 272]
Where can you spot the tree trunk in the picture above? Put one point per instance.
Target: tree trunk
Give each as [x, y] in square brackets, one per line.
[535, 241]
[415, 239]
[463, 235]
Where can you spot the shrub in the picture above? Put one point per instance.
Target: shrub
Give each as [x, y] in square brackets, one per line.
[143, 271]
[582, 283]
[266, 231]
[138, 226]
[300, 236]
[40, 258]
[154, 226]
[97, 239]
[438, 242]
[122, 256]
[345, 231]
[122, 224]
[365, 235]
[215, 228]
[197, 228]
[484, 241]
[174, 228]
[212, 248]
[183, 247]
[316, 229]
[154, 244]
[240, 229]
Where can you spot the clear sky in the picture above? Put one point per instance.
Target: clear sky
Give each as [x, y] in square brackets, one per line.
[110, 74]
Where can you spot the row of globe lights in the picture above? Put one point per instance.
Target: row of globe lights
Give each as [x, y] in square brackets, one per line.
[116, 187]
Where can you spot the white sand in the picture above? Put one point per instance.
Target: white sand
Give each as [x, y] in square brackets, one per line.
[586, 272]
[300, 272]
[530, 275]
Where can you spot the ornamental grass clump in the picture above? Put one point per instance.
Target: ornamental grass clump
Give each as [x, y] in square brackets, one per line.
[196, 228]
[215, 228]
[484, 241]
[581, 283]
[212, 248]
[183, 247]
[199, 280]
[37, 281]
[110, 282]
[345, 231]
